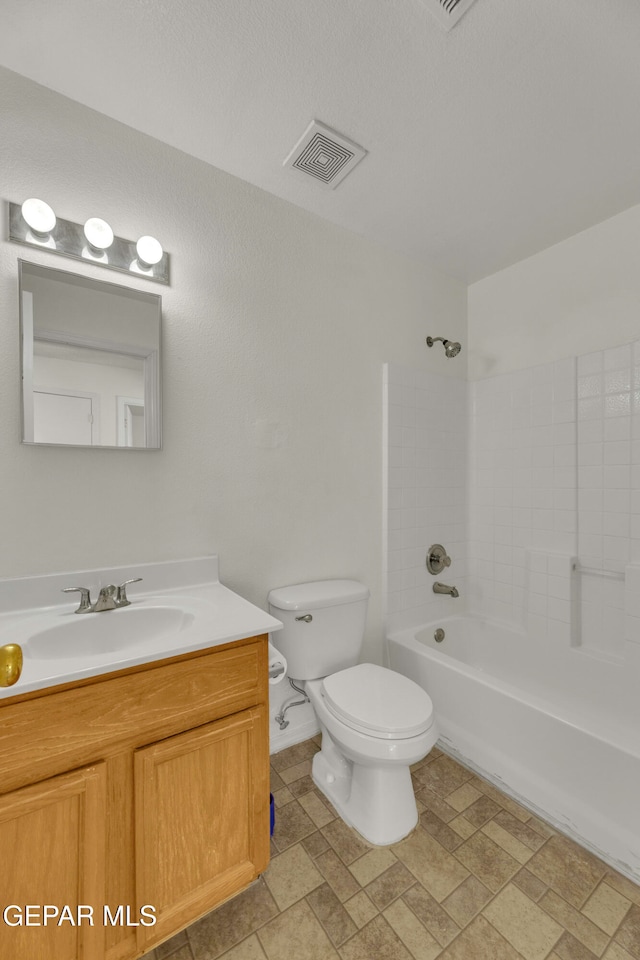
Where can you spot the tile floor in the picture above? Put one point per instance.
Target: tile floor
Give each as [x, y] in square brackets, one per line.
[478, 879]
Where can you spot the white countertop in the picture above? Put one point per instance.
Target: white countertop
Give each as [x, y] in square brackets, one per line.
[212, 615]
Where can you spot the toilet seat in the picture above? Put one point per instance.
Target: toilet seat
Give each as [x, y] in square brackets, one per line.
[378, 702]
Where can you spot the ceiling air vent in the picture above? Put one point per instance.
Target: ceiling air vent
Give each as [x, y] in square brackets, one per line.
[325, 155]
[447, 12]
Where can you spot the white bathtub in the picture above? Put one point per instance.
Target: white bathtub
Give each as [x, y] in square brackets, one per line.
[551, 725]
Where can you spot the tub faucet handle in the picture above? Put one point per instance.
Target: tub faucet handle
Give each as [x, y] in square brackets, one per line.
[437, 559]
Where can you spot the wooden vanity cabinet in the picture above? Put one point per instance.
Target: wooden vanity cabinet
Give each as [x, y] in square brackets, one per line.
[145, 790]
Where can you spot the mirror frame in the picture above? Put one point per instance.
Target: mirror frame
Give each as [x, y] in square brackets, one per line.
[151, 360]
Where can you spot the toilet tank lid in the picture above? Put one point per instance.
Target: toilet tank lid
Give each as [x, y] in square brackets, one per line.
[319, 593]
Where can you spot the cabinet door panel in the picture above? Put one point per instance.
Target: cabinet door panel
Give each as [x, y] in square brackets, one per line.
[201, 819]
[53, 843]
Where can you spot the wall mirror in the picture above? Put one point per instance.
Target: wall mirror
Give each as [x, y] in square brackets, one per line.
[90, 361]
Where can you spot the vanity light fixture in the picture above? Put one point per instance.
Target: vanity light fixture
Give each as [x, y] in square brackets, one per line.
[34, 223]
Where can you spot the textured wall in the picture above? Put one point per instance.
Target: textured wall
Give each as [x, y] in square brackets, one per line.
[579, 296]
[276, 326]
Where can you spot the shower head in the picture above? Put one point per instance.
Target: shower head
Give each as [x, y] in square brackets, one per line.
[450, 349]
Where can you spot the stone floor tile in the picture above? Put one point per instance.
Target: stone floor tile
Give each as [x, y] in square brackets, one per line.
[514, 847]
[297, 772]
[507, 803]
[232, 922]
[372, 864]
[579, 926]
[489, 862]
[628, 936]
[483, 809]
[624, 886]
[480, 941]
[345, 841]
[292, 825]
[315, 844]
[532, 886]
[377, 940]
[572, 872]
[443, 776]
[463, 797]
[302, 785]
[414, 936]
[293, 755]
[360, 909]
[282, 796]
[249, 949]
[431, 801]
[616, 952]
[341, 881]
[390, 885]
[462, 827]
[521, 921]
[336, 921]
[169, 947]
[291, 876]
[443, 833]
[521, 831]
[429, 912]
[316, 809]
[276, 780]
[182, 953]
[433, 866]
[296, 933]
[467, 901]
[607, 908]
[568, 948]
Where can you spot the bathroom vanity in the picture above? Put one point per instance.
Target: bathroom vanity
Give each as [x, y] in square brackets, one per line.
[137, 797]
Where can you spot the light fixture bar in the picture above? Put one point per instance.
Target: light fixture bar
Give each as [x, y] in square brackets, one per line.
[68, 239]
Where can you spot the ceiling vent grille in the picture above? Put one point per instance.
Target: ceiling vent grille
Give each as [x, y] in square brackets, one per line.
[447, 12]
[325, 155]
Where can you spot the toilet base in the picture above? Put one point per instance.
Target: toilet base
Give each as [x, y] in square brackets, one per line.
[377, 801]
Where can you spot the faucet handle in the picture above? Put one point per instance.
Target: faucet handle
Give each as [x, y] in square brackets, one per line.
[121, 593]
[85, 598]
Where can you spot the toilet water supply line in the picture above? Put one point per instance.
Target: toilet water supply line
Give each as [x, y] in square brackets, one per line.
[279, 718]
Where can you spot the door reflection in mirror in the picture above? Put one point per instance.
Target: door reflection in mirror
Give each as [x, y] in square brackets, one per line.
[90, 361]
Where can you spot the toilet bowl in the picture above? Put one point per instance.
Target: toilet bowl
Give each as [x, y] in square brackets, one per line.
[375, 723]
[363, 765]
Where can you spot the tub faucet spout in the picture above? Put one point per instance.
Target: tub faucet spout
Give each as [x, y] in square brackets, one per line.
[443, 588]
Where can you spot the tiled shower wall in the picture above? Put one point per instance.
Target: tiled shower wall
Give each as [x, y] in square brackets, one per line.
[522, 495]
[540, 511]
[425, 491]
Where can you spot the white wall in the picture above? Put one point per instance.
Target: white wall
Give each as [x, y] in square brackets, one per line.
[579, 296]
[276, 327]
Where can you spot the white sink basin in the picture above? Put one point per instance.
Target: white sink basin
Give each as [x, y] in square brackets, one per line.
[94, 634]
[183, 609]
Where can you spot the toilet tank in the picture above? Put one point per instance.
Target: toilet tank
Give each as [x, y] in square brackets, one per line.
[323, 626]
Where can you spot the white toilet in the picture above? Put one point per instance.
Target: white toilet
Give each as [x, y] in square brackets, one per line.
[374, 722]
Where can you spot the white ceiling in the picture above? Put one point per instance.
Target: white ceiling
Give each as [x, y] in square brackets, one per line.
[514, 130]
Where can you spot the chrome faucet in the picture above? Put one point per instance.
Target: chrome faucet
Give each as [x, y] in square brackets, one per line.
[443, 588]
[109, 598]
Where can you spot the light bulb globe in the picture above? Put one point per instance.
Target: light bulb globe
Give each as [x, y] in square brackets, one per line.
[149, 251]
[98, 233]
[39, 216]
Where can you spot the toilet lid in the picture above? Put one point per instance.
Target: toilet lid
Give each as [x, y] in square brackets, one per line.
[378, 702]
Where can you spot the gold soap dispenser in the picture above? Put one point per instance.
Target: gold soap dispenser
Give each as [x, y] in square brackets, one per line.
[10, 664]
